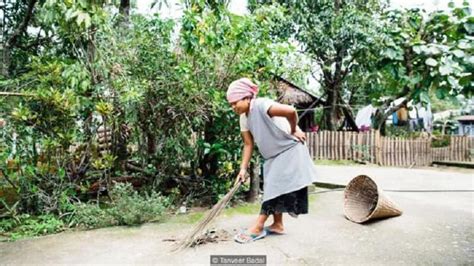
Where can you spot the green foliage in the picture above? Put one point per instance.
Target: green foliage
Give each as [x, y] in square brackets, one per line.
[41, 127]
[127, 207]
[401, 132]
[92, 216]
[439, 141]
[163, 101]
[7, 225]
[131, 208]
[439, 105]
[429, 53]
[425, 54]
[159, 98]
[28, 226]
[72, 20]
[248, 50]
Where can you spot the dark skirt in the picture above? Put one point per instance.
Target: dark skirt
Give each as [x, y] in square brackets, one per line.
[294, 203]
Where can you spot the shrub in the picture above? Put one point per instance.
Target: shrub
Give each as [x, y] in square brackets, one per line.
[127, 207]
[28, 226]
[439, 140]
[91, 216]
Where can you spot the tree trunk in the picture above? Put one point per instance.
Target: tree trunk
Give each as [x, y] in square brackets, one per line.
[379, 120]
[331, 110]
[333, 81]
[151, 143]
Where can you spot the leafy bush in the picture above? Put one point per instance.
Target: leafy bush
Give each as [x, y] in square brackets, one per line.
[7, 225]
[130, 208]
[127, 207]
[91, 216]
[439, 140]
[401, 132]
[161, 100]
[26, 225]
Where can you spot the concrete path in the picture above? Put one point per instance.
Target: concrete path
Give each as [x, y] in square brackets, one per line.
[391, 178]
[435, 228]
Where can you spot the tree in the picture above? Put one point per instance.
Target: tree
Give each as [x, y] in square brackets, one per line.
[16, 17]
[422, 54]
[337, 35]
[222, 47]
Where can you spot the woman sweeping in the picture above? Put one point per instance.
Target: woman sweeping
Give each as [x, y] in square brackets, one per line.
[288, 168]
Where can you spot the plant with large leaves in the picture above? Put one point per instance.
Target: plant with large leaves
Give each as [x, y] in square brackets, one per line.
[423, 54]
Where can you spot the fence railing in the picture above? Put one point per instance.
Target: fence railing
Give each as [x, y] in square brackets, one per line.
[389, 151]
[460, 149]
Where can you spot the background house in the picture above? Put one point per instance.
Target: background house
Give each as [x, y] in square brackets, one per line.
[466, 125]
[305, 102]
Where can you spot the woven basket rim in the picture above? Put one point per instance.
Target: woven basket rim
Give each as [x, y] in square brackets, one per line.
[354, 181]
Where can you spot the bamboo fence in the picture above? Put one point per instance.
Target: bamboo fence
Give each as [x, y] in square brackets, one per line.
[388, 151]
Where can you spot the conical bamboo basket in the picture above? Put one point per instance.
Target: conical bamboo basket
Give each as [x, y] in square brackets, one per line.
[363, 200]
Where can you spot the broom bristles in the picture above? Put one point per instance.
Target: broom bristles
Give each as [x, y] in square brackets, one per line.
[213, 213]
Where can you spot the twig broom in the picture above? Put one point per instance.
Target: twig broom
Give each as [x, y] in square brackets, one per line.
[215, 211]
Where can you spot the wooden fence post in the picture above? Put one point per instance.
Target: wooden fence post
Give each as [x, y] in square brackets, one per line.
[377, 147]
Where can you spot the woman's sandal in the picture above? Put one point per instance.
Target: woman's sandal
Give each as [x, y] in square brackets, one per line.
[270, 232]
[249, 237]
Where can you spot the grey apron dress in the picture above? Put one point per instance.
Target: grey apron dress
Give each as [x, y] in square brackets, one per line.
[288, 168]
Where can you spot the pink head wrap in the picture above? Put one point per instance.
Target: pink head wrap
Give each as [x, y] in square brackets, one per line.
[240, 89]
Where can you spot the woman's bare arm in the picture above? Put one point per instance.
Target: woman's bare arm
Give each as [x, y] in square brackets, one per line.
[248, 148]
[290, 113]
[246, 154]
[286, 111]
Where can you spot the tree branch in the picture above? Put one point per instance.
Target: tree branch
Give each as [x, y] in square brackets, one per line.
[347, 110]
[393, 109]
[4, 93]
[351, 97]
[37, 41]
[24, 24]
[349, 66]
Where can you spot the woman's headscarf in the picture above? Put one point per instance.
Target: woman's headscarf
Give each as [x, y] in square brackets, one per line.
[240, 89]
